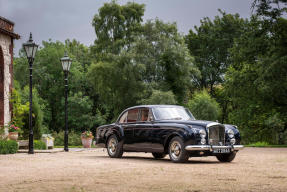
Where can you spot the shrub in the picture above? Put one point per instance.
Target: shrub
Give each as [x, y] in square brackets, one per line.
[8, 146]
[2, 131]
[204, 107]
[37, 116]
[19, 110]
[38, 144]
[160, 97]
[20, 101]
[74, 138]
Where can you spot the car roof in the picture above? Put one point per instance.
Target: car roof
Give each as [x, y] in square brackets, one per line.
[151, 106]
[144, 106]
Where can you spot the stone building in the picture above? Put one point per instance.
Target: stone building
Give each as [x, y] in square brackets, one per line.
[7, 36]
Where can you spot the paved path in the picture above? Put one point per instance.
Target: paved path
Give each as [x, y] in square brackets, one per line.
[254, 169]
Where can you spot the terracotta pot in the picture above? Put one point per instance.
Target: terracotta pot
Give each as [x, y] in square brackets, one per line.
[87, 142]
[13, 135]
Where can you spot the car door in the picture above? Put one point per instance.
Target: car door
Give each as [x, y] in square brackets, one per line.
[127, 128]
[142, 131]
[130, 122]
[158, 135]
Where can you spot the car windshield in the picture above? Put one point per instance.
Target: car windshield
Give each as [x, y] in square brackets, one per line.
[172, 113]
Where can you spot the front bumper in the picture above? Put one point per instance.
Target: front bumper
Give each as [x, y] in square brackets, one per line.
[212, 147]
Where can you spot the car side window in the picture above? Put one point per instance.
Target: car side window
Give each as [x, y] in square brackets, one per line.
[123, 118]
[144, 114]
[132, 115]
[150, 116]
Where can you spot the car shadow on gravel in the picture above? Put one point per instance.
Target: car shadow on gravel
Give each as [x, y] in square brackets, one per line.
[151, 159]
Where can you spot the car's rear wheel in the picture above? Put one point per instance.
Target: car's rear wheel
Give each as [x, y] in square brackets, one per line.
[226, 157]
[158, 155]
[176, 150]
[114, 147]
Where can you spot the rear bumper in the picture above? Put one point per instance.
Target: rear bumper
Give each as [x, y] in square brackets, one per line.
[211, 147]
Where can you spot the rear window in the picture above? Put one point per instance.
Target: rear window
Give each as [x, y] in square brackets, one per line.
[132, 115]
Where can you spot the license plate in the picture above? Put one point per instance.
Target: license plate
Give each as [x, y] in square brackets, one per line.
[221, 150]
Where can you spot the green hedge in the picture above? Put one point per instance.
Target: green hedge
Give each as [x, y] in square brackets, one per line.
[8, 146]
[38, 144]
[74, 138]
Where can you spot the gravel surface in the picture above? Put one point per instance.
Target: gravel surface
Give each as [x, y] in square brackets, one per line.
[254, 169]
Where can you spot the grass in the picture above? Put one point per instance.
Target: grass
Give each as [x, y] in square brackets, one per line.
[263, 144]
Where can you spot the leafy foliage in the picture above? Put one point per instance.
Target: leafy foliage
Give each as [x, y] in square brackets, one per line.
[19, 109]
[160, 97]
[74, 138]
[256, 81]
[37, 115]
[204, 107]
[115, 26]
[209, 45]
[39, 144]
[8, 146]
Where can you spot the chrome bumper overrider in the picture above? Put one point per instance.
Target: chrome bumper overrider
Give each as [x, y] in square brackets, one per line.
[211, 147]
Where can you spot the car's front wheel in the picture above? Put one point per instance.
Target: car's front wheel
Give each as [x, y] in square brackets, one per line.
[176, 150]
[114, 147]
[226, 157]
[158, 155]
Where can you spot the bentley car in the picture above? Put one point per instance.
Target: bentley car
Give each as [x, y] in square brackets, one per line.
[168, 129]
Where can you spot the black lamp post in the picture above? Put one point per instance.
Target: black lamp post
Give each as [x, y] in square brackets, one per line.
[66, 63]
[30, 49]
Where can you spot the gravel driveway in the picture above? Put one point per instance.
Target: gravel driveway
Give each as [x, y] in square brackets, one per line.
[254, 169]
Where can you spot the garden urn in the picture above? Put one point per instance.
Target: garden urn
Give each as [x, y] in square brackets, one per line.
[13, 135]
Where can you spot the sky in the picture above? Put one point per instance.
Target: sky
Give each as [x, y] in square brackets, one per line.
[63, 19]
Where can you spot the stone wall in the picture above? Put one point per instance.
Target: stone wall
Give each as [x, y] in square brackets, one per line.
[6, 43]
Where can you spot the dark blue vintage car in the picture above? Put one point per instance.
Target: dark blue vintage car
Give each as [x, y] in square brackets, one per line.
[168, 129]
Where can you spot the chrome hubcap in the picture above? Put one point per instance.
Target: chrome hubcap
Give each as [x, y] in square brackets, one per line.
[175, 149]
[112, 145]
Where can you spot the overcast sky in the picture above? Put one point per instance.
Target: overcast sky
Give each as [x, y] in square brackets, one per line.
[63, 19]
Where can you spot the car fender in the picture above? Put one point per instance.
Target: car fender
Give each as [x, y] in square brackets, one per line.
[115, 130]
[185, 133]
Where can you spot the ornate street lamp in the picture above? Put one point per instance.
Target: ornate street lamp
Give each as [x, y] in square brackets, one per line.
[30, 49]
[66, 63]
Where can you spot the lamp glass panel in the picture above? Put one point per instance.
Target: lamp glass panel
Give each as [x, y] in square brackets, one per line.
[35, 47]
[69, 65]
[62, 64]
[28, 50]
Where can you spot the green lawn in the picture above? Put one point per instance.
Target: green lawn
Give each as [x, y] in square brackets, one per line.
[263, 144]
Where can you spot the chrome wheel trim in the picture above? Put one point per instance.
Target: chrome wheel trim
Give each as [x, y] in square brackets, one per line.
[175, 150]
[112, 146]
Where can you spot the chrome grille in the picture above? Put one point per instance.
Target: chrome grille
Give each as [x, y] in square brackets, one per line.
[216, 134]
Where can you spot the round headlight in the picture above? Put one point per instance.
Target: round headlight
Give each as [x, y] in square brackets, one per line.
[230, 133]
[232, 141]
[202, 133]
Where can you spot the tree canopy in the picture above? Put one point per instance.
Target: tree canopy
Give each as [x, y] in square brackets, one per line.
[228, 69]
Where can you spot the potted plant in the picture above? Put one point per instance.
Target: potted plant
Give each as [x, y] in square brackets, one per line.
[87, 138]
[13, 132]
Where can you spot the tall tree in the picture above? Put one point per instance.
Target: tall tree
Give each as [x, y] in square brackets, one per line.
[257, 81]
[115, 26]
[209, 44]
[157, 60]
[163, 53]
